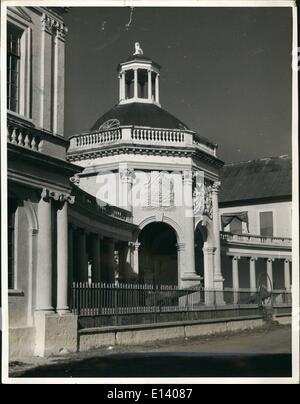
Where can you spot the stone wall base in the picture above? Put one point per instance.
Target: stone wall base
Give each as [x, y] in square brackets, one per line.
[284, 320]
[94, 338]
[55, 333]
[21, 342]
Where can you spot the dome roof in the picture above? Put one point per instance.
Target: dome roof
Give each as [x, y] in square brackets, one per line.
[139, 114]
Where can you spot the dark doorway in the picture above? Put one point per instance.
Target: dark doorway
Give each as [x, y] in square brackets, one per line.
[158, 254]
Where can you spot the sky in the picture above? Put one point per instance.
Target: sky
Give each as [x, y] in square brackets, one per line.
[226, 72]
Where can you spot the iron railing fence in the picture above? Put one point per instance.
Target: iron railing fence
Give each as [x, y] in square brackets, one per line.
[96, 299]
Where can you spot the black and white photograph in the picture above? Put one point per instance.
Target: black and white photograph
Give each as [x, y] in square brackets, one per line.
[149, 194]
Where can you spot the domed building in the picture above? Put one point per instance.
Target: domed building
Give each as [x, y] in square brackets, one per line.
[141, 158]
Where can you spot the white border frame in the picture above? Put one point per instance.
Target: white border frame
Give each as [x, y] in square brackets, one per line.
[295, 233]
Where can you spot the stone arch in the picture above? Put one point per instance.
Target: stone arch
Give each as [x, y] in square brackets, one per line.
[164, 219]
[158, 253]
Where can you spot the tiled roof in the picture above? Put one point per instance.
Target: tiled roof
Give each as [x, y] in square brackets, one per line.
[256, 179]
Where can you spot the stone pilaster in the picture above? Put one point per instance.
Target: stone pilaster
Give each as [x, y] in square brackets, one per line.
[126, 180]
[189, 277]
[218, 278]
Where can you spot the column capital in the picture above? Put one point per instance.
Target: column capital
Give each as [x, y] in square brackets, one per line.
[287, 260]
[270, 259]
[126, 175]
[236, 257]
[253, 258]
[187, 176]
[216, 186]
[209, 250]
[58, 196]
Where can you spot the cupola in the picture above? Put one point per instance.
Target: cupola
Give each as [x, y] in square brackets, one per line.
[139, 79]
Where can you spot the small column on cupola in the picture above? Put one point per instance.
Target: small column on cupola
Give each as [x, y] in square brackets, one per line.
[139, 79]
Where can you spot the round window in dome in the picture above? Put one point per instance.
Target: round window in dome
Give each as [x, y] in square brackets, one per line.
[110, 124]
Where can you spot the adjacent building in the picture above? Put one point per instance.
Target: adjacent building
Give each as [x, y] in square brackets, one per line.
[256, 223]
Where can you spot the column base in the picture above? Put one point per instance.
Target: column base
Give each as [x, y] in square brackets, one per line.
[190, 279]
[55, 333]
[64, 310]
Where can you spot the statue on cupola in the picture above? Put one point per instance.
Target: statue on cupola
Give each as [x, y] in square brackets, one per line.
[138, 49]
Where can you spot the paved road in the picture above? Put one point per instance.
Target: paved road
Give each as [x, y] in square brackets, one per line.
[260, 353]
[277, 340]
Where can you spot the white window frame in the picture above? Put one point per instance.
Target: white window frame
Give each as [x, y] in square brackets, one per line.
[25, 65]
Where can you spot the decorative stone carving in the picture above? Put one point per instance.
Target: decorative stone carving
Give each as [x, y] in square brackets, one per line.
[202, 197]
[126, 174]
[57, 196]
[47, 23]
[52, 26]
[216, 186]
[75, 179]
[159, 191]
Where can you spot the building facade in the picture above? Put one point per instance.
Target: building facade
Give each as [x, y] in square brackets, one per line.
[53, 227]
[256, 223]
[134, 199]
[141, 158]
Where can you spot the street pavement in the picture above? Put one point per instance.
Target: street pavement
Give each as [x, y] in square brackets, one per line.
[258, 353]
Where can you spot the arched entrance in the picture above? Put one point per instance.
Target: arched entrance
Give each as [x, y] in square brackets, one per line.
[158, 254]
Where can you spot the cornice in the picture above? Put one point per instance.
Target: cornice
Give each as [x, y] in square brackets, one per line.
[153, 150]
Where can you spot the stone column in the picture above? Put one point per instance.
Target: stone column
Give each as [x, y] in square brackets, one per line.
[149, 85]
[252, 273]
[136, 247]
[189, 270]
[157, 88]
[218, 278]
[44, 257]
[180, 262]
[135, 83]
[111, 260]
[209, 255]
[270, 273]
[82, 256]
[287, 278]
[96, 264]
[62, 259]
[235, 278]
